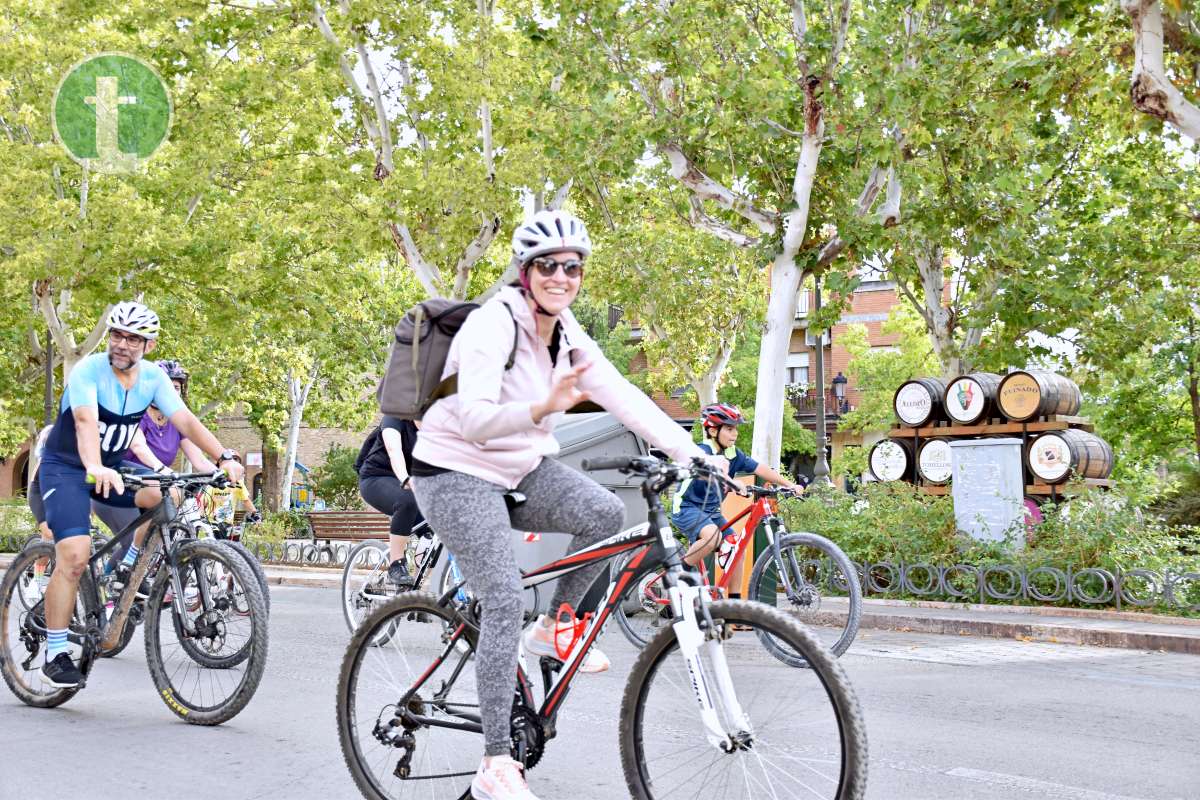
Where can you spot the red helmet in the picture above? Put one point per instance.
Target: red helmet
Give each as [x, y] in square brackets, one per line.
[720, 414]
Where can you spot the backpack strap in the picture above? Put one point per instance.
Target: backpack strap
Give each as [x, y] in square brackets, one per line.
[449, 384]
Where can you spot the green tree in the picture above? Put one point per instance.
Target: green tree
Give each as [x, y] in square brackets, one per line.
[878, 372]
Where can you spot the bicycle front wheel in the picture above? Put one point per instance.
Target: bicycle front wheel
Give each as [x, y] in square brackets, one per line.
[224, 620]
[817, 583]
[801, 735]
[364, 582]
[254, 566]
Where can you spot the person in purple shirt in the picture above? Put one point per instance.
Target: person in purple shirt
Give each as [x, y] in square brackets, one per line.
[156, 445]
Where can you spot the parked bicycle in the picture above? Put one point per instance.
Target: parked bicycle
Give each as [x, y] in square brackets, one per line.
[702, 710]
[804, 574]
[206, 623]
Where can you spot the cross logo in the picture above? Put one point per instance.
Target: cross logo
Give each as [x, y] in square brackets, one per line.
[111, 112]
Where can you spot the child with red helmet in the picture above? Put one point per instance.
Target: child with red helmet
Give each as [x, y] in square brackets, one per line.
[697, 509]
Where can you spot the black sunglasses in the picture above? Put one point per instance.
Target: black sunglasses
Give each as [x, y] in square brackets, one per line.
[546, 267]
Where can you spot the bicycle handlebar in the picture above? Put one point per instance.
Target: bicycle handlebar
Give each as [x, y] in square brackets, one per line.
[607, 462]
[164, 480]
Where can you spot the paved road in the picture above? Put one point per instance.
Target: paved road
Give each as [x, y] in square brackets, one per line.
[948, 717]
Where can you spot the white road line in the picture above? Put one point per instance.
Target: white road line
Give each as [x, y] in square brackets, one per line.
[1045, 788]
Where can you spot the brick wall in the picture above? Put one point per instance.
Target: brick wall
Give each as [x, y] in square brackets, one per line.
[237, 433]
[869, 307]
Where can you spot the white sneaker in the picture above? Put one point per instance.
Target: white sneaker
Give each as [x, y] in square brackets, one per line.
[501, 779]
[539, 641]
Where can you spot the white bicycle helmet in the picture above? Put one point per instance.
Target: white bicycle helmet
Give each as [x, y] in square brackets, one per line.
[549, 232]
[134, 318]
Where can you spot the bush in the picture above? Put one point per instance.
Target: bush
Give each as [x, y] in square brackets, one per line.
[276, 527]
[16, 524]
[895, 522]
[336, 480]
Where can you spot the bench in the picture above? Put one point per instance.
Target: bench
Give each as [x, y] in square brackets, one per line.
[348, 526]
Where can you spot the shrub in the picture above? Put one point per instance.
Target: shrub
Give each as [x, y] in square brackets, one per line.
[336, 480]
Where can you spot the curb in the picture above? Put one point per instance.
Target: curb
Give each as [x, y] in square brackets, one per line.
[1035, 632]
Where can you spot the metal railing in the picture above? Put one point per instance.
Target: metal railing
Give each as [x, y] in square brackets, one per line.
[963, 583]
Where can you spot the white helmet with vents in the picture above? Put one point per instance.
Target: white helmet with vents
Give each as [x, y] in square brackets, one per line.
[133, 318]
[549, 232]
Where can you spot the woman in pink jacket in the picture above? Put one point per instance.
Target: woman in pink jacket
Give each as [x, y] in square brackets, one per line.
[495, 434]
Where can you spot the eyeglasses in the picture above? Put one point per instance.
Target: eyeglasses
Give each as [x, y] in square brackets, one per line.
[130, 339]
[546, 267]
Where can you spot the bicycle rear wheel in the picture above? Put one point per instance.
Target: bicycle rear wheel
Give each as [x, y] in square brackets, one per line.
[424, 667]
[814, 581]
[23, 626]
[805, 738]
[645, 608]
[214, 689]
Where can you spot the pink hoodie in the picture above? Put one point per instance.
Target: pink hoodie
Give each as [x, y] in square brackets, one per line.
[486, 430]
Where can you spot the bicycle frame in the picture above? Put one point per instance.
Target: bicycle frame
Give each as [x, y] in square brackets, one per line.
[157, 546]
[658, 548]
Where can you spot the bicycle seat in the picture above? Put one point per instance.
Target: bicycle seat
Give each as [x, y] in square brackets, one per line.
[513, 499]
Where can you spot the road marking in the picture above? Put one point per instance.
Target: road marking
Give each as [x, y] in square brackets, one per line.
[1056, 790]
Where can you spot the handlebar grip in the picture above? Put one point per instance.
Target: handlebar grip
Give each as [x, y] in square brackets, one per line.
[607, 462]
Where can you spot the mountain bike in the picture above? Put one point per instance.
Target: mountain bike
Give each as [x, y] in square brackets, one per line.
[205, 657]
[704, 708]
[795, 573]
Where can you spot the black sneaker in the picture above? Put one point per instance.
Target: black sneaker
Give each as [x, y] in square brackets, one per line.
[398, 576]
[121, 577]
[62, 672]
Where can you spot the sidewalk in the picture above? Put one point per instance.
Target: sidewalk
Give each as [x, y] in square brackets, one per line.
[1124, 629]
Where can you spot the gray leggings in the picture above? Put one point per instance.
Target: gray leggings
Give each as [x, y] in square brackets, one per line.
[470, 516]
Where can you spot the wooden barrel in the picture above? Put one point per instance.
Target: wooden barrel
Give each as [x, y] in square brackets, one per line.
[919, 402]
[971, 398]
[1030, 393]
[1056, 455]
[933, 461]
[892, 460]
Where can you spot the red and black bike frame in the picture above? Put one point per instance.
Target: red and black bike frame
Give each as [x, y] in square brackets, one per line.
[602, 598]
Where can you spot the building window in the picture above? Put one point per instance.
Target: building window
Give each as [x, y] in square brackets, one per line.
[797, 369]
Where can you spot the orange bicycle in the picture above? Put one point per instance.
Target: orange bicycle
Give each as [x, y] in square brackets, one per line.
[804, 574]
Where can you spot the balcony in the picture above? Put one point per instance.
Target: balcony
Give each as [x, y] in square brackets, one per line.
[805, 404]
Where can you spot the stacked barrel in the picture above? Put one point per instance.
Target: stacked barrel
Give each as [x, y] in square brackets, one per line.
[1038, 405]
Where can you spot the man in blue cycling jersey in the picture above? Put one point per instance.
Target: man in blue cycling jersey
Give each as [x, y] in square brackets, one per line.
[105, 397]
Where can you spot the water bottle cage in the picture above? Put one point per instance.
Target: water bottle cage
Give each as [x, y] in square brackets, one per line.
[574, 626]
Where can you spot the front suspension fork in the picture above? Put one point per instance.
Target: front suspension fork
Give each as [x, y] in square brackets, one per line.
[711, 690]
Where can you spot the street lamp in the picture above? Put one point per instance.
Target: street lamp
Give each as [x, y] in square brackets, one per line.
[839, 391]
[821, 468]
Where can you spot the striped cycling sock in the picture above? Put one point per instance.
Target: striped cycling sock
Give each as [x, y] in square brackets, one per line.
[130, 555]
[56, 642]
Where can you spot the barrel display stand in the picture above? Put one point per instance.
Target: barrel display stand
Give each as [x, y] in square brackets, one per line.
[1033, 486]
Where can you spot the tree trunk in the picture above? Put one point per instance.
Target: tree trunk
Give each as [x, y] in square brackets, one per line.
[706, 383]
[298, 388]
[938, 321]
[270, 469]
[769, 397]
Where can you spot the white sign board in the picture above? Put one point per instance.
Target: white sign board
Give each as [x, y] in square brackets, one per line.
[254, 459]
[989, 496]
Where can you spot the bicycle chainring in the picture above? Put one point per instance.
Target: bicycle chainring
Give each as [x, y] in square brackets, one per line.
[527, 735]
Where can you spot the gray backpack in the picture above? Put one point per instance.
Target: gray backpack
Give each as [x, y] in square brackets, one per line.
[413, 381]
